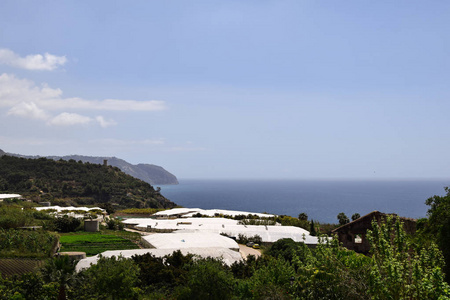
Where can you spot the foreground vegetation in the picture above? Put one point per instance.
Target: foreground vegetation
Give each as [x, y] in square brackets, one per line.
[399, 266]
[289, 270]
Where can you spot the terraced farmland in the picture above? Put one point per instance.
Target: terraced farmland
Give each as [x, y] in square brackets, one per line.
[18, 266]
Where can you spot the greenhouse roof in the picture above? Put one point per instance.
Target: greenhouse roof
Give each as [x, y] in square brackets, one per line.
[184, 239]
[188, 212]
[228, 226]
[228, 256]
[8, 196]
[60, 209]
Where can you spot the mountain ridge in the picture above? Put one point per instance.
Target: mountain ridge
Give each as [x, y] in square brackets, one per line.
[74, 183]
[152, 174]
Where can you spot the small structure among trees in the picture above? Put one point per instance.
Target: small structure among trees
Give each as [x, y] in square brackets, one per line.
[353, 235]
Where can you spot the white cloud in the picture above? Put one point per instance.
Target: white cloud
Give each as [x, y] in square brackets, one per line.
[104, 123]
[119, 142]
[46, 62]
[25, 99]
[14, 90]
[28, 110]
[69, 119]
[187, 149]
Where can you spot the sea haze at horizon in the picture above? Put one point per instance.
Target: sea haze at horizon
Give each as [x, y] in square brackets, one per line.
[322, 200]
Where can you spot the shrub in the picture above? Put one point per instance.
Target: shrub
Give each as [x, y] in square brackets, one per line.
[67, 224]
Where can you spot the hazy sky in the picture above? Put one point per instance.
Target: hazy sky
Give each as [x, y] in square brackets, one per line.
[232, 89]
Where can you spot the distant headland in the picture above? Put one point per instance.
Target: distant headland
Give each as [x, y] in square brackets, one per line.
[153, 174]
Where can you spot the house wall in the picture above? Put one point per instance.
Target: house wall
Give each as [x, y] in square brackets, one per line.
[348, 233]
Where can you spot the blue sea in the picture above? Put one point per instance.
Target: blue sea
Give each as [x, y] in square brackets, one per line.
[322, 200]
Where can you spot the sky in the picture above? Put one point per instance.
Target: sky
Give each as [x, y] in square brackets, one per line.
[232, 89]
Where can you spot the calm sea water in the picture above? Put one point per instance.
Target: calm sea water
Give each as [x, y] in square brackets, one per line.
[322, 200]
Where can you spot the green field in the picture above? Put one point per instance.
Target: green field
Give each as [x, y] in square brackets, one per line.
[95, 243]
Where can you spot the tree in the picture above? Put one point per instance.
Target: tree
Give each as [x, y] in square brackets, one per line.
[208, 279]
[111, 278]
[312, 230]
[303, 216]
[329, 272]
[343, 219]
[61, 270]
[355, 216]
[67, 224]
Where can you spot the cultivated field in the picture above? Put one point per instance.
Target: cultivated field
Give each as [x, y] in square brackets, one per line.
[97, 242]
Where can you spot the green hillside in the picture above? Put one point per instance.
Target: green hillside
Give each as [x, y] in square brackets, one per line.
[76, 183]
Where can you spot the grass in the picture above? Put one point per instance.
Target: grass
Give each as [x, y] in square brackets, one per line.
[94, 243]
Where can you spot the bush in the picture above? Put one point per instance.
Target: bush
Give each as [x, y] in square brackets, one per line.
[24, 243]
[243, 239]
[110, 278]
[67, 224]
[208, 279]
[13, 217]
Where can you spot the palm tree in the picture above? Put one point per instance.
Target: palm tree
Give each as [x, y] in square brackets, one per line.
[60, 269]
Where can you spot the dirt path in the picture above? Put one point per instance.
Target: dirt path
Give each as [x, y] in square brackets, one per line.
[246, 251]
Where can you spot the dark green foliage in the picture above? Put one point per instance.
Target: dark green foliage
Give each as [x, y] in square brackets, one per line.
[243, 239]
[343, 219]
[272, 280]
[61, 270]
[114, 224]
[67, 224]
[245, 268]
[110, 278]
[355, 216]
[111, 224]
[284, 248]
[69, 182]
[303, 216]
[168, 272]
[312, 229]
[28, 287]
[207, 279]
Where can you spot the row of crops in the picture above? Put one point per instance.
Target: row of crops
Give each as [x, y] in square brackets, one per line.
[95, 243]
[24, 243]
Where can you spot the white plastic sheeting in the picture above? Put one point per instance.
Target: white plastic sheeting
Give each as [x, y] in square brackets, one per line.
[182, 223]
[228, 256]
[188, 212]
[228, 226]
[9, 196]
[182, 239]
[60, 209]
